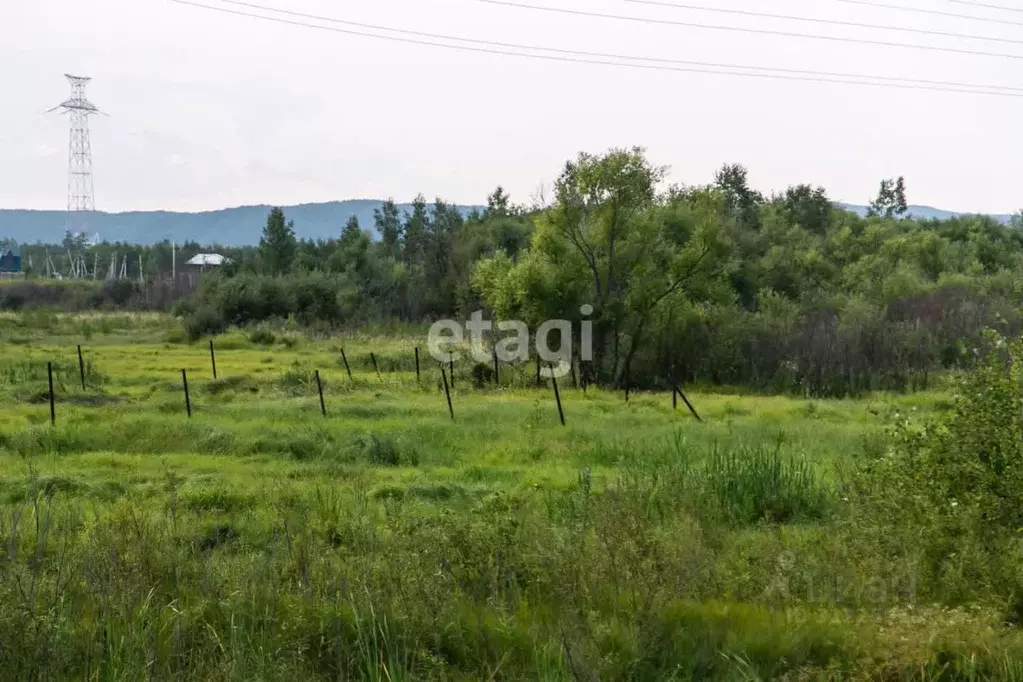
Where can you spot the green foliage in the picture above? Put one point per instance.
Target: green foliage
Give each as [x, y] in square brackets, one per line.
[416, 232]
[742, 201]
[72, 295]
[22, 372]
[498, 204]
[204, 321]
[278, 245]
[970, 463]
[609, 242]
[381, 451]
[738, 484]
[891, 199]
[184, 308]
[957, 481]
[315, 299]
[482, 375]
[389, 227]
[353, 248]
[705, 284]
[975, 459]
[262, 336]
[259, 540]
[807, 208]
[755, 484]
[245, 299]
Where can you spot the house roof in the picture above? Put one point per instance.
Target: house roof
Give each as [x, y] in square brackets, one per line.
[208, 259]
[13, 250]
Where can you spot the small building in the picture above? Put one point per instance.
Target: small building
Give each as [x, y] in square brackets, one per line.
[10, 259]
[207, 260]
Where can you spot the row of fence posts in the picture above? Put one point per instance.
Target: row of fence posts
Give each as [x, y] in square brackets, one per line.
[448, 385]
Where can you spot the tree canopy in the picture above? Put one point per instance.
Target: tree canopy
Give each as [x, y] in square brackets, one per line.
[715, 282]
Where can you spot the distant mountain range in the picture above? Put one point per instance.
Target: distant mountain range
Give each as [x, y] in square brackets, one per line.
[926, 213]
[239, 226]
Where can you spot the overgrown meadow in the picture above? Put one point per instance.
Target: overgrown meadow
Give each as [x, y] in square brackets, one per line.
[260, 540]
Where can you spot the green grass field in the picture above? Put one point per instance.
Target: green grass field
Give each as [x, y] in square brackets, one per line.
[259, 540]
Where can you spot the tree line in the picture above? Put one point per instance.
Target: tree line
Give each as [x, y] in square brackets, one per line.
[713, 283]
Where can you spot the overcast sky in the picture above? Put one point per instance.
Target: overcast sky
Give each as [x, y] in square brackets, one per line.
[209, 110]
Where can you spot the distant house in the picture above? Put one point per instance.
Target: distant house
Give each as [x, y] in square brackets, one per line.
[10, 259]
[207, 260]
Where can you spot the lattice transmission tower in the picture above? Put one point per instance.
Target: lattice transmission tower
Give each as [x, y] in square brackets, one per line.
[80, 196]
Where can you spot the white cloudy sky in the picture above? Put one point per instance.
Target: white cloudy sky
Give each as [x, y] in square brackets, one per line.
[211, 110]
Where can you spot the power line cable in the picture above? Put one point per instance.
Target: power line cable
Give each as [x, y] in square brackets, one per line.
[932, 12]
[1003, 8]
[606, 55]
[831, 22]
[563, 55]
[760, 31]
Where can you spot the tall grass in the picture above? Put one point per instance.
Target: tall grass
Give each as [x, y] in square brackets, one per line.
[757, 483]
[261, 541]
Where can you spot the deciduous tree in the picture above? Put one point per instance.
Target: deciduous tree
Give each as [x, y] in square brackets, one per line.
[388, 224]
[891, 199]
[610, 242]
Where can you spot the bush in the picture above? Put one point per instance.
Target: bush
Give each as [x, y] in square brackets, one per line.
[245, 299]
[12, 297]
[262, 336]
[205, 321]
[947, 494]
[80, 295]
[118, 292]
[251, 299]
[969, 462]
[184, 308]
[482, 374]
[315, 297]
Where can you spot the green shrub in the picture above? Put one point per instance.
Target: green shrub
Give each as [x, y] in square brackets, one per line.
[76, 295]
[233, 341]
[204, 322]
[947, 493]
[482, 374]
[309, 298]
[184, 308]
[176, 336]
[262, 336]
[118, 292]
[315, 297]
[969, 461]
